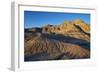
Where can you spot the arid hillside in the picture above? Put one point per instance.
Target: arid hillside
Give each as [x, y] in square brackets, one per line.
[69, 40]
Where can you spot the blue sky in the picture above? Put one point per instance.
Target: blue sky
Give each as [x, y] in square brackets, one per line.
[38, 19]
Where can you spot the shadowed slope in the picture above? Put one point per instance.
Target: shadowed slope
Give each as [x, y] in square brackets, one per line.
[42, 48]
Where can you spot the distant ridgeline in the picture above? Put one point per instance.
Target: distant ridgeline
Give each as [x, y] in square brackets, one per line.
[78, 29]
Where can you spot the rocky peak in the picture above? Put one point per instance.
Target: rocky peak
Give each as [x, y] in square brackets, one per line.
[85, 27]
[78, 21]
